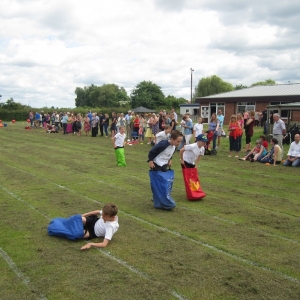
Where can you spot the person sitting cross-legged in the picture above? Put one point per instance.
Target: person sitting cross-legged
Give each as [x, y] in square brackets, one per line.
[293, 156]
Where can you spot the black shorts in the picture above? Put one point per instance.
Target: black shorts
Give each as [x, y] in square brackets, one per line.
[90, 225]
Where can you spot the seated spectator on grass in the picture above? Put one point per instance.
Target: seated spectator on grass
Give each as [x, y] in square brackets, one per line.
[256, 152]
[163, 135]
[293, 156]
[264, 142]
[274, 156]
[105, 226]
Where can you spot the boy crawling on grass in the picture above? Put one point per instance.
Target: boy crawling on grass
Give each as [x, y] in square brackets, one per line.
[105, 226]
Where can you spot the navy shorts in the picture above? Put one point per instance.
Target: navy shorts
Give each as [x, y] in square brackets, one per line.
[90, 225]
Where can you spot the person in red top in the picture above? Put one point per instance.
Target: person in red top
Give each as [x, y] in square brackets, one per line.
[264, 142]
[136, 125]
[234, 133]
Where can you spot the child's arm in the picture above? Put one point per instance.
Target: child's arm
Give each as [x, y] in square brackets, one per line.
[96, 245]
[91, 213]
[181, 155]
[113, 140]
[197, 161]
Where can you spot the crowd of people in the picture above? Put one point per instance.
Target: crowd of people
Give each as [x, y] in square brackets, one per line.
[153, 128]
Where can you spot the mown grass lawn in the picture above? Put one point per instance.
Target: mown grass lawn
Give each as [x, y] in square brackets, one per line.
[242, 241]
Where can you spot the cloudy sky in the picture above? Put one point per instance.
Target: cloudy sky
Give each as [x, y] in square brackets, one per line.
[48, 48]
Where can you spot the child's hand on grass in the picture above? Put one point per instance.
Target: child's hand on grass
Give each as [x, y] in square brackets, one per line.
[87, 246]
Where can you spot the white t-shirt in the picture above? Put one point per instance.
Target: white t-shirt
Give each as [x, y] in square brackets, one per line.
[192, 152]
[106, 229]
[161, 136]
[198, 129]
[164, 157]
[119, 141]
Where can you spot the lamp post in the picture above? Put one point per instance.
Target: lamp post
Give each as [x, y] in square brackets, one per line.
[192, 70]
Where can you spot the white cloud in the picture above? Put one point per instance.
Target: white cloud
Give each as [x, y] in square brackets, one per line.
[48, 48]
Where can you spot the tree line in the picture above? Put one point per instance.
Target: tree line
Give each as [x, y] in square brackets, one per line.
[146, 93]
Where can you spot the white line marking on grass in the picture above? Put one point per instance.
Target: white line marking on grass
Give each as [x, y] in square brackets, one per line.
[249, 262]
[105, 252]
[18, 272]
[20, 199]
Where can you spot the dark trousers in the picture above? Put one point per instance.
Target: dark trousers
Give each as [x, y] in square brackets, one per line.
[65, 128]
[101, 129]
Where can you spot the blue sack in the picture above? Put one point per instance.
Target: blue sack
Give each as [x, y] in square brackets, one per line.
[161, 186]
[70, 228]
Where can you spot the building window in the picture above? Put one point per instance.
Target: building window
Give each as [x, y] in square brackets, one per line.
[214, 107]
[245, 106]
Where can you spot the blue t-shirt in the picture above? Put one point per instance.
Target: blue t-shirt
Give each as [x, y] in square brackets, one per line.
[37, 116]
[221, 119]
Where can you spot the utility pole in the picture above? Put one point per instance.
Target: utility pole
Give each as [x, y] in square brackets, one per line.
[192, 70]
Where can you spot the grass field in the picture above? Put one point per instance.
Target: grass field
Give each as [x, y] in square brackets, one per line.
[240, 242]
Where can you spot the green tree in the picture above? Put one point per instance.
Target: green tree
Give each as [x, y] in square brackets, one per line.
[240, 87]
[211, 86]
[147, 94]
[266, 82]
[107, 95]
[173, 102]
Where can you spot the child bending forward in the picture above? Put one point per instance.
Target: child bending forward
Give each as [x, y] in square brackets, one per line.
[105, 226]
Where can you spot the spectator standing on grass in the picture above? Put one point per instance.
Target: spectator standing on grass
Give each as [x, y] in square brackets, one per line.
[94, 125]
[79, 124]
[249, 130]
[31, 118]
[173, 123]
[279, 130]
[64, 122]
[56, 120]
[264, 120]
[174, 113]
[101, 118]
[234, 133]
[214, 127]
[220, 117]
[74, 123]
[37, 120]
[87, 126]
[136, 124]
[240, 120]
[90, 117]
[256, 116]
[106, 124]
[198, 128]
[113, 126]
[105, 226]
[188, 128]
[155, 125]
[149, 134]
[293, 156]
[128, 121]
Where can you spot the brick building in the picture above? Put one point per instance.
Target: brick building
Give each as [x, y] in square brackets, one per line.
[255, 98]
